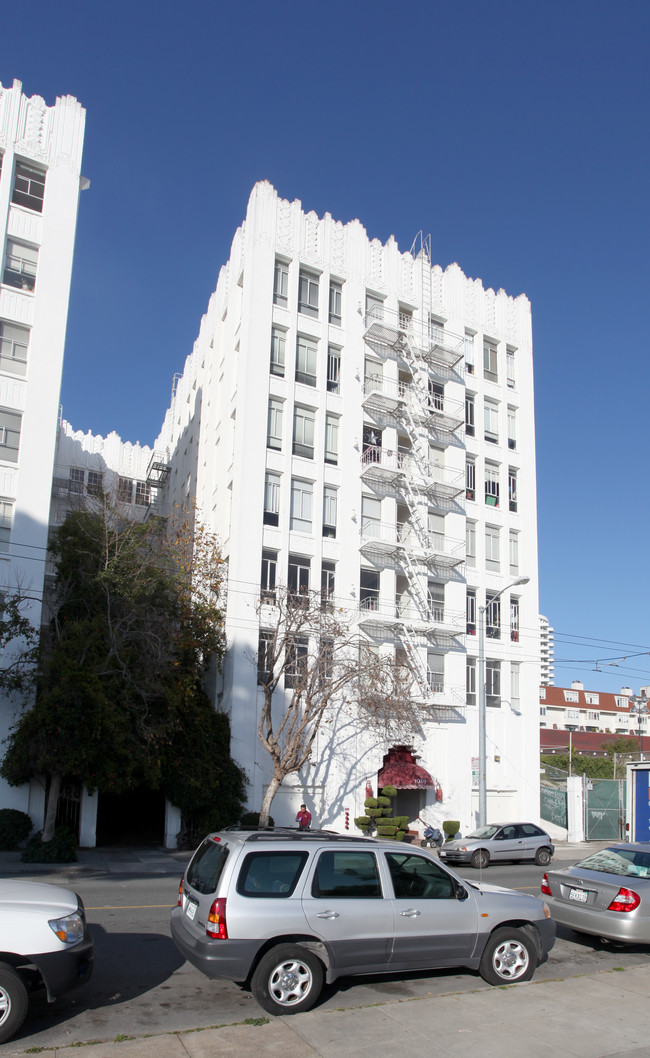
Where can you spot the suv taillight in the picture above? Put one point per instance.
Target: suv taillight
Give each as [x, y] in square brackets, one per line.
[216, 927]
[545, 887]
[625, 900]
[180, 890]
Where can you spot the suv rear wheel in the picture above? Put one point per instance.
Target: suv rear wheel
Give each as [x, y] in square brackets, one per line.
[287, 980]
[13, 1002]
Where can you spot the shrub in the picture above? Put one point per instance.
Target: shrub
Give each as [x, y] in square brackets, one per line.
[252, 819]
[61, 849]
[383, 802]
[451, 828]
[15, 827]
[400, 835]
[403, 822]
[374, 813]
[362, 823]
[389, 791]
[370, 802]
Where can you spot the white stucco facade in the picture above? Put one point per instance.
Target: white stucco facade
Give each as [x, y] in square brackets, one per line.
[350, 408]
[40, 179]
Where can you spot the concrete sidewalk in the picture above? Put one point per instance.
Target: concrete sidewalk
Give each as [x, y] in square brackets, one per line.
[591, 1016]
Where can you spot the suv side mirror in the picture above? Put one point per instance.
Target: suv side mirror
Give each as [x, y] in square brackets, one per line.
[460, 892]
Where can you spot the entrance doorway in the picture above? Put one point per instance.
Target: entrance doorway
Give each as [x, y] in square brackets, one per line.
[136, 817]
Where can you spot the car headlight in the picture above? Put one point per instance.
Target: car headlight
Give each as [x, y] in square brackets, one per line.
[70, 928]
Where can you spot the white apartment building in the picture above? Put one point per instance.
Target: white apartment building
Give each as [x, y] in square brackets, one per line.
[575, 709]
[40, 160]
[546, 652]
[355, 419]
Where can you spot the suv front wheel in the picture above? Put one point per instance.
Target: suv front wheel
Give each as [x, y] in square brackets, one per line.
[287, 980]
[13, 1002]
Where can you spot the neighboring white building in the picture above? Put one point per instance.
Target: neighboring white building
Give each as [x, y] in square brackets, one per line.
[547, 652]
[40, 158]
[355, 418]
[575, 709]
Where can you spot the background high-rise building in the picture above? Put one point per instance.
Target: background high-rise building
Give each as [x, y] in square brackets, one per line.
[546, 652]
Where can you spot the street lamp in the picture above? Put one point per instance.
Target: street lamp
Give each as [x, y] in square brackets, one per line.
[482, 704]
[639, 707]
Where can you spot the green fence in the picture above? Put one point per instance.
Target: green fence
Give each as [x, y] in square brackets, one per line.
[553, 806]
[604, 809]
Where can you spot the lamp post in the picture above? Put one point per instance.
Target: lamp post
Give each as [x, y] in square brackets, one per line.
[482, 704]
[639, 707]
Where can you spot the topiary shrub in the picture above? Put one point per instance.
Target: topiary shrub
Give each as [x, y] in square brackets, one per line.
[400, 835]
[15, 827]
[389, 791]
[61, 849]
[451, 828]
[374, 813]
[252, 819]
[370, 802]
[383, 802]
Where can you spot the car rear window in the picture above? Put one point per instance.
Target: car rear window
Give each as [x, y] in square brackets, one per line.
[274, 873]
[207, 864]
[630, 862]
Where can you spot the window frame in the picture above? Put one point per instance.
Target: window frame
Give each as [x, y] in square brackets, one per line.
[309, 285]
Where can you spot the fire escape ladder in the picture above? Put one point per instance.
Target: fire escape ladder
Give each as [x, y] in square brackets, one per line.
[413, 504]
[413, 655]
[413, 576]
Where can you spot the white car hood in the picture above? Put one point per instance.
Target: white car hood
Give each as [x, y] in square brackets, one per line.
[52, 900]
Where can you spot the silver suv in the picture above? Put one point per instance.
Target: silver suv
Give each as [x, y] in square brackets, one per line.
[284, 910]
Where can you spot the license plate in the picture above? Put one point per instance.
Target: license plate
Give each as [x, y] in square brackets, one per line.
[579, 894]
[190, 909]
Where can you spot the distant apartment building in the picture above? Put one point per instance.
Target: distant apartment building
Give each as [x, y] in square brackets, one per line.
[575, 709]
[356, 420]
[40, 180]
[546, 652]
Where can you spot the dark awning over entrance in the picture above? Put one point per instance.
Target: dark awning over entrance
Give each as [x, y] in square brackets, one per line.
[401, 771]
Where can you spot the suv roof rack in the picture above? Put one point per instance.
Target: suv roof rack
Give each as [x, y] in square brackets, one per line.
[257, 833]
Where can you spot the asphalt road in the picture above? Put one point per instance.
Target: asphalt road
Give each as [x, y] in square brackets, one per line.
[141, 985]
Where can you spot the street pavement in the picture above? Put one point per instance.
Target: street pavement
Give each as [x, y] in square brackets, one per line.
[585, 1016]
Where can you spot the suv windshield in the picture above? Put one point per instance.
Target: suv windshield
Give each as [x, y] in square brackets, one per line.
[630, 862]
[204, 871]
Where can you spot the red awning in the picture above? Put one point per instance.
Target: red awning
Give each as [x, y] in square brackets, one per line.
[401, 771]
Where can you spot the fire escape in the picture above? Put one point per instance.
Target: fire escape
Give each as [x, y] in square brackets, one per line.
[417, 408]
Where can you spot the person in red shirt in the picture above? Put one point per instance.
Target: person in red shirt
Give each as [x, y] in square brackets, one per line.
[303, 818]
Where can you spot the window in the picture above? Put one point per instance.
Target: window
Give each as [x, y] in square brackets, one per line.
[405, 318]
[596, 716]
[470, 428]
[326, 659]
[470, 544]
[296, 668]
[514, 618]
[331, 439]
[281, 283]
[142, 494]
[346, 874]
[470, 680]
[271, 498]
[571, 696]
[6, 518]
[490, 361]
[591, 698]
[29, 187]
[95, 482]
[470, 611]
[264, 658]
[307, 293]
[469, 352]
[278, 342]
[306, 354]
[510, 368]
[304, 424]
[329, 511]
[492, 683]
[512, 488]
[492, 615]
[492, 561]
[301, 505]
[274, 425]
[125, 490]
[371, 517]
[436, 329]
[436, 672]
[369, 589]
[515, 698]
[20, 265]
[436, 601]
[371, 445]
[470, 479]
[327, 581]
[298, 582]
[513, 543]
[492, 484]
[336, 297]
[374, 308]
[417, 878]
[77, 480]
[436, 396]
[14, 341]
[512, 428]
[436, 530]
[333, 369]
[491, 421]
[268, 579]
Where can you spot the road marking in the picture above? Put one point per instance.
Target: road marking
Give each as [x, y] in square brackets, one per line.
[126, 907]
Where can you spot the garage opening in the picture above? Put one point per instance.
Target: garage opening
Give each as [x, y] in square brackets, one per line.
[136, 817]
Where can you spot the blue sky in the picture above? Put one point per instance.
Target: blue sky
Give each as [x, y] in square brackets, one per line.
[515, 132]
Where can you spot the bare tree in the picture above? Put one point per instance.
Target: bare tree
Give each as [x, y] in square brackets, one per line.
[311, 657]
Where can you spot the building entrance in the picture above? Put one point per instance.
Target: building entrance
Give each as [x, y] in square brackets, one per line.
[136, 817]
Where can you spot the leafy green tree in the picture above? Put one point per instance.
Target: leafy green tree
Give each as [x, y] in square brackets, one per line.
[118, 682]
